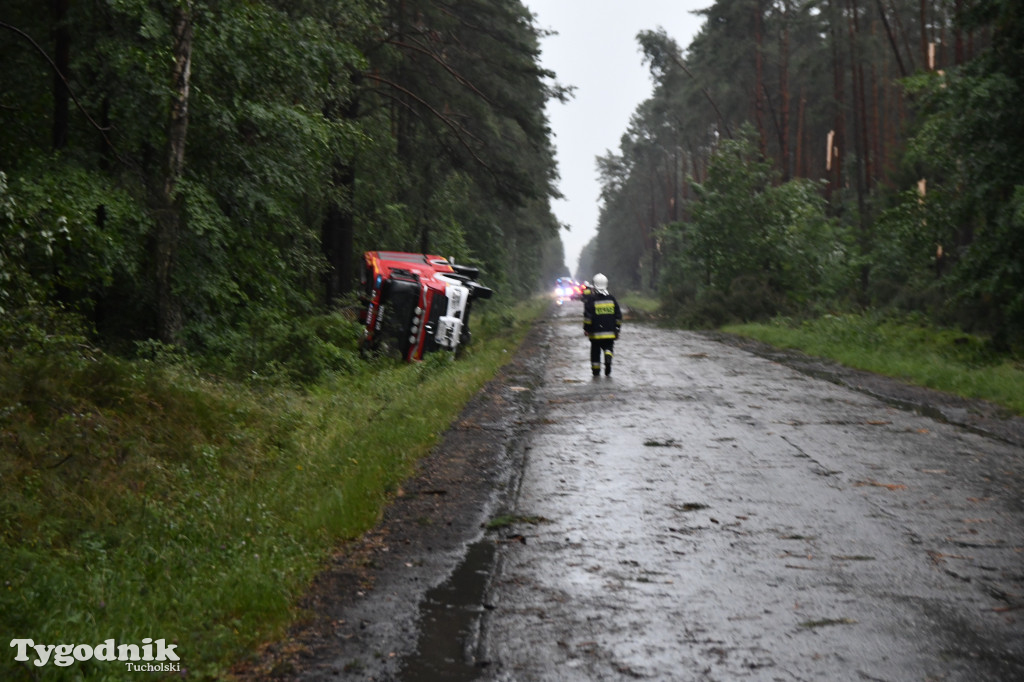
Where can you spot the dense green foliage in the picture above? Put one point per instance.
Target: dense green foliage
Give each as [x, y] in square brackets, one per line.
[187, 428]
[196, 172]
[752, 246]
[145, 499]
[801, 157]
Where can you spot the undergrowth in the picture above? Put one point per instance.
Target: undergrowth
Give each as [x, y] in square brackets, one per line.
[143, 498]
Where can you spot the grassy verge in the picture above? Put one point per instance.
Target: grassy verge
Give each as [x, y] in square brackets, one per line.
[146, 500]
[947, 360]
[646, 304]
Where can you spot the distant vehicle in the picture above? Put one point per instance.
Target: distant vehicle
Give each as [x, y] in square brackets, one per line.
[416, 303]
[567, 289]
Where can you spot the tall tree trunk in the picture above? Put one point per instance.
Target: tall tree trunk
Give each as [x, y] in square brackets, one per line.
[337, 237]
[62, 60]
[878, 152]
[801, 164]
[901, 31]
[784, 154]
[168, 227]
[923, 11]
[958, 36]
[651, 224]
[837, 151]
[337, 233]
[860, 143]
[860, 105]
[759, 103]
[674, 216]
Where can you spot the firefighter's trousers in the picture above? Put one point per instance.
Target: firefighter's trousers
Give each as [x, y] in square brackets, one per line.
[597, 348]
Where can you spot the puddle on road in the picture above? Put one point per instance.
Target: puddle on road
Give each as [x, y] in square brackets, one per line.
[450, 622]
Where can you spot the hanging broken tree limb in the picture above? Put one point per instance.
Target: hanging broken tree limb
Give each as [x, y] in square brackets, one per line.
[78, 104]
[721, 119]
[459, 130]
[892, 39]
[433, 56]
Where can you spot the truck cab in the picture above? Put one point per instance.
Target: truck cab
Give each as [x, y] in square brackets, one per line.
[416, 303]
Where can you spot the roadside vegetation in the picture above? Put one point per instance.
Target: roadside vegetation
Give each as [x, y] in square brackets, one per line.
[640, 303]
[147, 497]
[904, 347]
[910, 349]
[186, 190]
[186, 428]
[843, 177]
[897, 250]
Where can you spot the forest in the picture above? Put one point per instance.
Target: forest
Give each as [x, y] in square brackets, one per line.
[810, 157]
[187, 431]
[203, 175]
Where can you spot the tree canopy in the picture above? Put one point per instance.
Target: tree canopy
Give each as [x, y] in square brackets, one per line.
[194, 170]
[201, 171]
[819, 154]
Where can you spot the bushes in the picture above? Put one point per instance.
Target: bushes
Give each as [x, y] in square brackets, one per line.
[66, 235]
[748, 298]
[302, 350]
[754, 247]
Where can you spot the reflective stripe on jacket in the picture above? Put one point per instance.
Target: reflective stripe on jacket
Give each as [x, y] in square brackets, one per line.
[602, 316]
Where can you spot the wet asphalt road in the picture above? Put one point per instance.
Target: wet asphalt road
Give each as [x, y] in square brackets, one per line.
[706, 514]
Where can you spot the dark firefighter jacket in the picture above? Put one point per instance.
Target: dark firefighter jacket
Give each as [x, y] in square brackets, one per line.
[602, 316]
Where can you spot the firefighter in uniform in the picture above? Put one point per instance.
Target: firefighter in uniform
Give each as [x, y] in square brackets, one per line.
[602, 319]
[586, 291]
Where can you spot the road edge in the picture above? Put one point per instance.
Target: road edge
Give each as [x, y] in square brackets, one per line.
[360, 615]
[979, 416]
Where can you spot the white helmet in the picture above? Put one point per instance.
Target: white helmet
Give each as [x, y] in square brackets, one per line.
[601, 283]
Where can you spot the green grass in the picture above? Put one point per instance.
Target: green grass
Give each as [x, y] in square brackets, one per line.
[142, 499]
[943, 359]
[649, 305]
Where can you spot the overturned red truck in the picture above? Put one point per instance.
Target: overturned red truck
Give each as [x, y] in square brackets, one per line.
[416, 303]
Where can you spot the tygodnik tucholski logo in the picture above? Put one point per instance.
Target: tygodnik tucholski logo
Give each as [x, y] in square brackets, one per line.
[154, 656]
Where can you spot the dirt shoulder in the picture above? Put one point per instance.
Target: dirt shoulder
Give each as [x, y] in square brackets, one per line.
[362, 610]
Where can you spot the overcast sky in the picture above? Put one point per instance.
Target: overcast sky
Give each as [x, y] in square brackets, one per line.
[596, 51]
